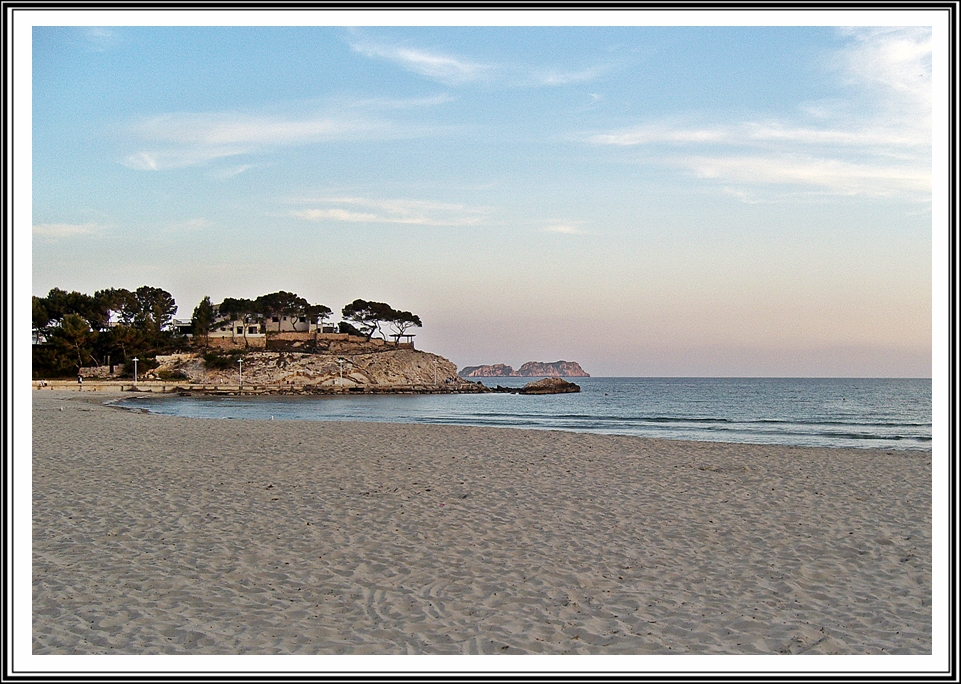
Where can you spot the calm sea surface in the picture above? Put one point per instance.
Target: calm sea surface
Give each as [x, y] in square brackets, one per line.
[878, 413]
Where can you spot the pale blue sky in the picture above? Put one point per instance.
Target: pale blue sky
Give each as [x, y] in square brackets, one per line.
[642, 200]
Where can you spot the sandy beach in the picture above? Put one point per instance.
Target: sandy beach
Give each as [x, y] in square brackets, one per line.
[164, 535]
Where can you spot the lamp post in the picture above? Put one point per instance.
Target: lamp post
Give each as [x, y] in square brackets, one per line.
[135, 359]
[240, 362]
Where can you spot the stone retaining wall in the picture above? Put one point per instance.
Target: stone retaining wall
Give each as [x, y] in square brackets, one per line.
[303, 342]
[101, 371]
[236, 343]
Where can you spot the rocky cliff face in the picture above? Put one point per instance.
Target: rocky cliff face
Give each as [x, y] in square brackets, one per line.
[531, 369]
[390, 368]
[557, 369]
[498, 370]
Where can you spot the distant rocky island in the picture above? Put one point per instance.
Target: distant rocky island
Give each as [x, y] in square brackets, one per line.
[531, 369]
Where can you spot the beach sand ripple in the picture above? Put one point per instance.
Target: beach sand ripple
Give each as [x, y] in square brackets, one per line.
[157, 534]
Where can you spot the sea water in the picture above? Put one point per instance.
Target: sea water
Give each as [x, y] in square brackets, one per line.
[835, 412]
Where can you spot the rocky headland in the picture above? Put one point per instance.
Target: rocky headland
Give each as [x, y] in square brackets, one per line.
[385, 370]
[353, 366]
[531, 369]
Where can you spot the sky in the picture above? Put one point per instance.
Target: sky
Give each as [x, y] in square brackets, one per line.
[644, 200]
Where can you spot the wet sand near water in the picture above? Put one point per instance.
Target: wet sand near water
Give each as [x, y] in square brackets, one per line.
[167, 535]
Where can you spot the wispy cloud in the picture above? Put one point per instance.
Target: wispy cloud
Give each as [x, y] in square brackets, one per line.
[878, 145]
[190, 139]
[877, 135]
[179, 157]
[99, 38]
[190, 225]
[896, 61]
[54, 231]
[400, 104]
[435, 65]
[554, 77]
[772, 134]
[454, 70]
[182, 139]
[648, 134]
[832, 176]
[345, 215]
[405, 212]
[565, 229]
[225, 129]
[228, 172]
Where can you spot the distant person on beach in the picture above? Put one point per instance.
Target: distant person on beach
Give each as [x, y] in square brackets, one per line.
[80, 380]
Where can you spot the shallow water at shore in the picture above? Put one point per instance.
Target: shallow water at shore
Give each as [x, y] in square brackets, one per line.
[832, 412]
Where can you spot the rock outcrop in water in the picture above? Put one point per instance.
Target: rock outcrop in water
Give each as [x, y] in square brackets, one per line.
[531, 369]
[545, 386]
[549, 386]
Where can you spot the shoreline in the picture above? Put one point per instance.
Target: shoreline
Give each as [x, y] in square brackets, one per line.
[160, 534]
[227, 390]
[150, 395]
[112, 404]
[212, 389]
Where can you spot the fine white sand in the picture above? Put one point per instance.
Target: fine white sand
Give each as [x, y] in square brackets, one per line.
[155, 534]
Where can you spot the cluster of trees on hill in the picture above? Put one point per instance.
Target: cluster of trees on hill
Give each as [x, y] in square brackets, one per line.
[75, 328]
[361, 317]
[113, 326]
[369, 316]
[255, 311]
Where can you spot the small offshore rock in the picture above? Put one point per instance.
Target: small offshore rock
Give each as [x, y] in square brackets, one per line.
[550, 386]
